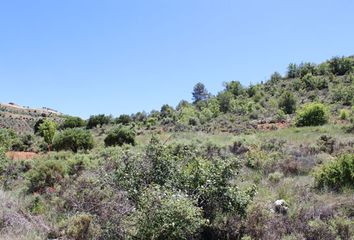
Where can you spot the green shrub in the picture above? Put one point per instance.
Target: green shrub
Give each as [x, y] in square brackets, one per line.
[163, 214]
[82, 227]
[45, 174]
[312, 114]
[72, 122]
[74, 139]
[275, 177]
[119, 136]
[336, 174]
[287, 103]
[7, 137]
[344, 114]
[98, 120]
[123, 119]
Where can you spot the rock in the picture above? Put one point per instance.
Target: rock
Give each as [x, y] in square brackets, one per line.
[281, 207]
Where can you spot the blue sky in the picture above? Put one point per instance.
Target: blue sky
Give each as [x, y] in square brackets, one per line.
[86, 57]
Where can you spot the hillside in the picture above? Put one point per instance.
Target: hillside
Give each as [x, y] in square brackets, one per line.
[268, 161]
[22, 119]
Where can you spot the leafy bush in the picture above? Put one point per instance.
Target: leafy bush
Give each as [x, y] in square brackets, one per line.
[119, 136]
[47, 130]
[82, 227]
[344, 114]
[72, 122]
[341, 65]
[45, 174]
[336, 174]
[7, 137]
[312, 114]
[73, 139]
[23, 143]
[287, 103]
[123, 119]
[98, 120]
[163, 214]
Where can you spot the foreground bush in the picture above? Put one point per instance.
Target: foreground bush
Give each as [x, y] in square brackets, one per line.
[313, 114]
[119, 136]
[73, 139]
[337, 174]
[163, 214]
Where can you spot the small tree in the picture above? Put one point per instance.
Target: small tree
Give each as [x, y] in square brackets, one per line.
[124, 119]
[73, 139]
[72, 122]
[200, 93]
[96, 120]
[234, 87]
[119, 136]
[287, 103]
[47, 130]
[293, 70]
[312, 114]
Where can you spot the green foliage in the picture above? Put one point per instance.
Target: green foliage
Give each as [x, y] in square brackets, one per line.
[47, 130]
[123, 119]
[287, 103]
[235, 88]
[336, 174]
[163, 214]
[74, 139]
[312, 114]
[292, 71]
[45, 174]
[37, 124]
[167, 112]
[82, 227]
[344, 114]
[341, 65]
[98, 120]
[72, 122]
[225, 101]
[23, 143]
[7, 137]
[186, 113]
[200, 93]
[119, 136]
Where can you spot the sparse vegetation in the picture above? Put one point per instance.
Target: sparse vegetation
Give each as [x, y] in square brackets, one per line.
[214, 168]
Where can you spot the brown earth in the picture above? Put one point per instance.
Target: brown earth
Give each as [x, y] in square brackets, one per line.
[21, 155]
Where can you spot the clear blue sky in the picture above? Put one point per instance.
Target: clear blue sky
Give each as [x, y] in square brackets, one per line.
[87, 57]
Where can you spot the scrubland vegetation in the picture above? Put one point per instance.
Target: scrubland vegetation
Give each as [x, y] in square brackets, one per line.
[273, 160]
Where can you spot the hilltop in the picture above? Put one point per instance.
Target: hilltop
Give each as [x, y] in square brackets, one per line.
[22, 119]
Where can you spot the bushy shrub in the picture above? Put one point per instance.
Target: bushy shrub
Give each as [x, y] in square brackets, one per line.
[72, 122]
[47, 130]
[275, 177]
[123, 119]
[119, 136]
[74, 139]
[98, 120]
[336, 174]
[344, 114]
[82, 227]
[7, 137]
[23, 143]
[45, 174]
[287, 103]
[163, 214]
[312, 114]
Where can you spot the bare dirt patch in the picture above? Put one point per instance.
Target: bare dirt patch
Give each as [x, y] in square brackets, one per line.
[21, 155]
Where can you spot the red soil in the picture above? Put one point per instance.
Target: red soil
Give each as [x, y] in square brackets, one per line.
[21, 155]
